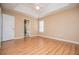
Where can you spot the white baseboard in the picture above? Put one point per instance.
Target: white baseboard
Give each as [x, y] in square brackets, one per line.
[23, 36]
[33, 35]
[75, 42]
[19, 37]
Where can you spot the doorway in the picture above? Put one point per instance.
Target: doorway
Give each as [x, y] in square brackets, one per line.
[27, 28]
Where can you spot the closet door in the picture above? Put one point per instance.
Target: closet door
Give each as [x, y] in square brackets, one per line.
[8, 27]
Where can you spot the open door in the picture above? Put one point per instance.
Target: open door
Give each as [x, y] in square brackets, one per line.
[27, 28]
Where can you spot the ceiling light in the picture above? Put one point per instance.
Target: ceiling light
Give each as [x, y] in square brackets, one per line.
[37, 7]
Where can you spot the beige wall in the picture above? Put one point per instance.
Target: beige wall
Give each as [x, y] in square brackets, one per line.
[34, 27]
[19, 23]
[63, 25]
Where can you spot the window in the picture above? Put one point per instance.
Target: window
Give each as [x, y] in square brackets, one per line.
[41, 25]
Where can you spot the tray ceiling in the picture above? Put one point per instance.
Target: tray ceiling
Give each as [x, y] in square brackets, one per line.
[30, 8]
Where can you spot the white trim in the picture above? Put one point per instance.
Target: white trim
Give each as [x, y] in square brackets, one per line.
[33, 35]
[23, 37]
[75, 42]
[19, 37]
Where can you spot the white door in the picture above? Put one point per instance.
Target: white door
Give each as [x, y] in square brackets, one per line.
[8, 27]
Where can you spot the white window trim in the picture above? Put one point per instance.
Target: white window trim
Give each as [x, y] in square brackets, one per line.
[41, 27]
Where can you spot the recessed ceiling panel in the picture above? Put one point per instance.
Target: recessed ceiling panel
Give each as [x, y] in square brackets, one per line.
[30, 8]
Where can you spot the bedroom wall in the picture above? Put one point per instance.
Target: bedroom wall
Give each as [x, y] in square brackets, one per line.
[34, 27]
[63, 25]
[19, 23]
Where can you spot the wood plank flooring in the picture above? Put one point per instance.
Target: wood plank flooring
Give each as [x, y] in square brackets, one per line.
[38, 46]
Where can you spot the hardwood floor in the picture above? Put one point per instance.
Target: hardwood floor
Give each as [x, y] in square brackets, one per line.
[38, 46]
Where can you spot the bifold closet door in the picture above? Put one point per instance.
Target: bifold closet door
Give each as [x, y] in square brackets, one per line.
[8, 27]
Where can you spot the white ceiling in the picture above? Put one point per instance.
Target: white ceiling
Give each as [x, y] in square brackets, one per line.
[29, 8]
